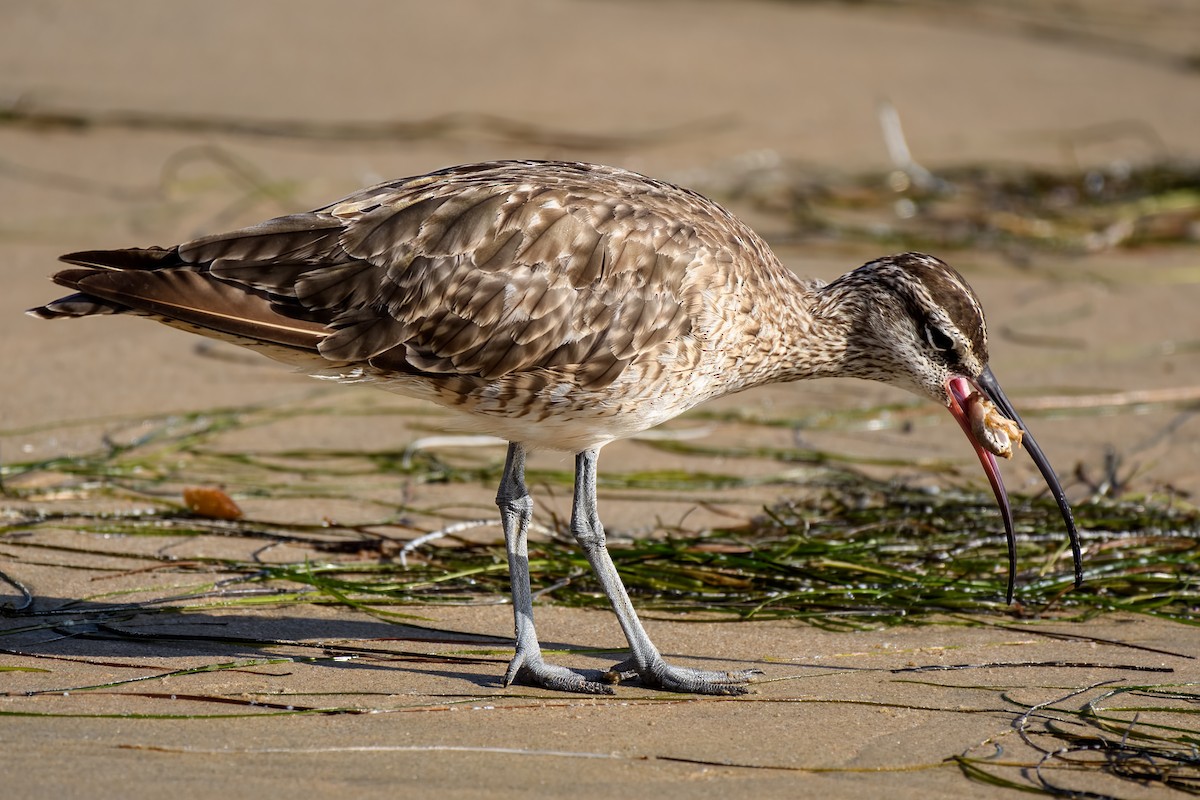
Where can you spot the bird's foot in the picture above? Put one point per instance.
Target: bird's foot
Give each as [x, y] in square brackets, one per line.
[529, 668]
[661, 675]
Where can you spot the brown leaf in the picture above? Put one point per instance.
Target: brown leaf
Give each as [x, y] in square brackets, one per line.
[206, 501]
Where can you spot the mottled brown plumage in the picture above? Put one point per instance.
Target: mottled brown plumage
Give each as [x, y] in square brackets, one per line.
[558, 305]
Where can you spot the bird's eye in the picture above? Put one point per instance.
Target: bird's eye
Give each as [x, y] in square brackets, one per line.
[938, 340]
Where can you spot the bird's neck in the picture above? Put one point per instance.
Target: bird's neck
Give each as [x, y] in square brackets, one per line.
[818, 334]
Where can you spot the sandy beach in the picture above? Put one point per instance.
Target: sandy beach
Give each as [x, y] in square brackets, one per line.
[157, 128]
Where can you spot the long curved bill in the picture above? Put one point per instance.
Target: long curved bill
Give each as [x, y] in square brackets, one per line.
[960, 390]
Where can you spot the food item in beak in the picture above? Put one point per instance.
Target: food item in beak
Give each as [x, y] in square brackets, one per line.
[996, 432]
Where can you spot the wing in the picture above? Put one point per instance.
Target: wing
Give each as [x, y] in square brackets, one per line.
[480, 271]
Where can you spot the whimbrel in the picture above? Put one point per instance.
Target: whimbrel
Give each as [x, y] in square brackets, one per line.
[563, 306]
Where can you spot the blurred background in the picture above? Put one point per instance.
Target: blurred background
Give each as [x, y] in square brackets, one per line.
[1046, 149]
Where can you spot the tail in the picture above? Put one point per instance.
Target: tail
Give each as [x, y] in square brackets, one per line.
[158, 283]
[83, 304]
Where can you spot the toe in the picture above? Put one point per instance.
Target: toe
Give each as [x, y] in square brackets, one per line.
[533, 671]
[694, 681]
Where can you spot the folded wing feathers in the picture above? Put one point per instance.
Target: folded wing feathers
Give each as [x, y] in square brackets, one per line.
[294, 239]
[487, 276]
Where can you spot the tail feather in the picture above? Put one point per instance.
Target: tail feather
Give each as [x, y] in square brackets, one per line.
[137, 281]
[132, 258]
[76, 305]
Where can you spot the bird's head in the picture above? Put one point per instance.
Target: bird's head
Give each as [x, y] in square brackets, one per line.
[912, 321]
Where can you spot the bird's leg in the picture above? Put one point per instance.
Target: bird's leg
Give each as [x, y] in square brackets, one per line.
[645, 660]
[516, 510]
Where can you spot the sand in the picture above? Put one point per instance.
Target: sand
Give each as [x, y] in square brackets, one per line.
[677, 90]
